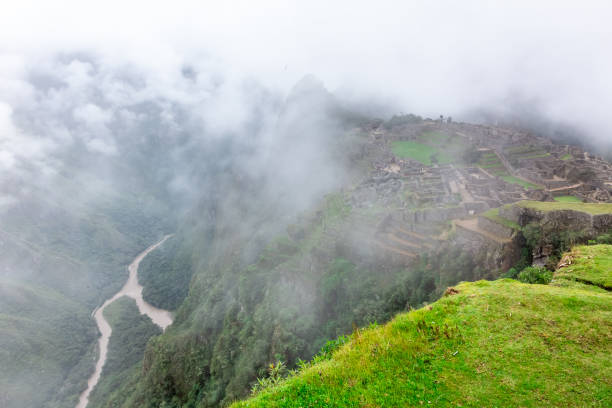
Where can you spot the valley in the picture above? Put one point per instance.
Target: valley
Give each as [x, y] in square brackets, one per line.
[305, 204]
[421, 206]
[132, 289]
[403, 230]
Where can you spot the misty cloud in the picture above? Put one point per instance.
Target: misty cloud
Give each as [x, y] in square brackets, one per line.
[100, 77]
[425, 57]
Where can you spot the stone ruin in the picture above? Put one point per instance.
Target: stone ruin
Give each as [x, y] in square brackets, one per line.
[416, 203]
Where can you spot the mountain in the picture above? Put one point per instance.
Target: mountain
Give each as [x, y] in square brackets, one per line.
[294, 226]
[423, 206]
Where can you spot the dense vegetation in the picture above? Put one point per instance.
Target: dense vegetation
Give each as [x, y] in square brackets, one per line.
[165, 275]
[57, 267]
[399, 120]
[44, 338]
[469, 349]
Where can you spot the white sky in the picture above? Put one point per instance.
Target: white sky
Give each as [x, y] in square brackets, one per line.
[428, 56]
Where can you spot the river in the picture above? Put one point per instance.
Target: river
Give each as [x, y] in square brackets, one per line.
[133, 289]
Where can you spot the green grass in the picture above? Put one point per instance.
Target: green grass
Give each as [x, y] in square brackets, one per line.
[589, 264]
[420, 152]
[589, 208]
[566, 156]
[568, 199]
[493, 215]
[492, 344]
[516, 180]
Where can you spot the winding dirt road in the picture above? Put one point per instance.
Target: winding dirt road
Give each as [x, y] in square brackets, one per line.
[133, 289]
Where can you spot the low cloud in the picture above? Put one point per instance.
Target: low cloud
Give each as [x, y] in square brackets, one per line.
[102, 77]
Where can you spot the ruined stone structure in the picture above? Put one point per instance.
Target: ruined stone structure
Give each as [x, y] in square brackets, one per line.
[418, 206]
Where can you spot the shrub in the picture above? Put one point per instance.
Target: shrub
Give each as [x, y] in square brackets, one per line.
[512, 273]
[330, 346]
[534, 274]
[276, 373]
[533, 234]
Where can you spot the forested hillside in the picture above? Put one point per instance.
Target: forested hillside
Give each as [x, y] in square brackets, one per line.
[275, 288]
[59, 261]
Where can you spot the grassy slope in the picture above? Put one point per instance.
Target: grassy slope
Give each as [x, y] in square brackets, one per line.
[589, 264]
[165, 274]
[471, 349]
[568, 199]
[55, 268]
[590, 208]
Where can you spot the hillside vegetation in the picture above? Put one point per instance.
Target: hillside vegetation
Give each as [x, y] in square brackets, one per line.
[470, 347]
[286, 305]
[44, 336]
[165, 275]
[54, 269]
